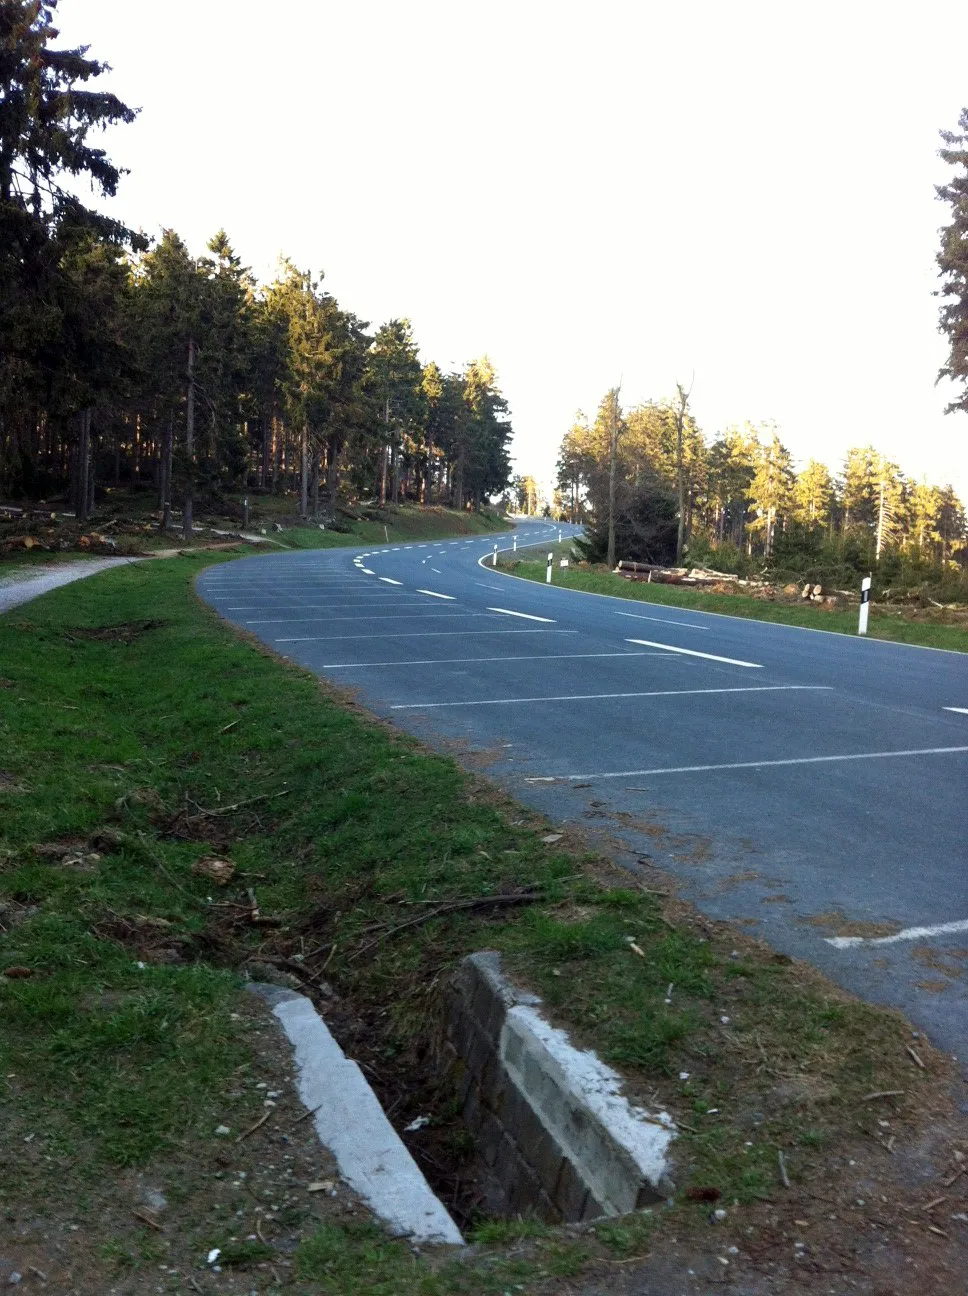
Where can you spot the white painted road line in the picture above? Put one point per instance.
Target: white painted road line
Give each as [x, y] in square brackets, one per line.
[437, 570]
[960, 710]
[527, 615]
[734, 765]
[387, 581]
[421, 634]
[598, 697]
[637, 616]
[691, 652]
[908, 933]
[374, 616]
[454, 661]
[434, 594]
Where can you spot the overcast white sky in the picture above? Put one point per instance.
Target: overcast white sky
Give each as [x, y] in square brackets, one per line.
[585, 191]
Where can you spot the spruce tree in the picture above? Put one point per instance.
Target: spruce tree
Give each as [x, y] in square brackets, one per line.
[953, 261]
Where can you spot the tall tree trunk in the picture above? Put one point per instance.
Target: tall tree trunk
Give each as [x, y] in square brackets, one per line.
[428, 474]
[304, 471]
[612, 473]
[396, 477]
[167, 454]
[266, 449]
[316, 485]
[81, 484]
[189, 443]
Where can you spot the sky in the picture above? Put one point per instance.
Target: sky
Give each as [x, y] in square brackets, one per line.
[728, 193]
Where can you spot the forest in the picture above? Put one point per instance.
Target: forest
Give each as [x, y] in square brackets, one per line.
[129, 361]
[652, 487]
[746, 504]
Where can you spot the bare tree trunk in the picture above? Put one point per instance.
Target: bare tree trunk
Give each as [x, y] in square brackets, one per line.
[680, 417]
[304, 471]
[396, 477]
[612, 472]
[428, 474]
[189, 443]
[81, 485]
[266, 451]
[315, 491]
[167, 453]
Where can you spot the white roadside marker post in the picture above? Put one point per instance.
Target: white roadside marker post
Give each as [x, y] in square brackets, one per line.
[559, 535]
[865, 604]
[514, 543]
[551, 559]
[494, 563]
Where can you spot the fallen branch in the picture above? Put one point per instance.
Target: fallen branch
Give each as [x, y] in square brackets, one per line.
[258, 1125]
[914, 1055]
[146, 1219]
[455, 906]
[784, 1177]
[237, 805]
[883, 1093]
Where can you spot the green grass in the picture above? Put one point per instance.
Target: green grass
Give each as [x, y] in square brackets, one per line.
[937, 629]
[397, 523]
[120, 744]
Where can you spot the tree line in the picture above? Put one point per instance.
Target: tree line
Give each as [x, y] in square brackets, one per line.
[742, 493]
[651, 484]
[124, 361]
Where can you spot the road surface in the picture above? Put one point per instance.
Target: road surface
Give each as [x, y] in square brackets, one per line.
[810, 786]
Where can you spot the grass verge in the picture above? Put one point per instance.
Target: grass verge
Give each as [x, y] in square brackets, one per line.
[141, 737]
[931, 628]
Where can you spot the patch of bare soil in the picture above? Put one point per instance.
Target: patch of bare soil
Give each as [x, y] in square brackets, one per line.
[125, 632]
[253, 1194]
[838, 924]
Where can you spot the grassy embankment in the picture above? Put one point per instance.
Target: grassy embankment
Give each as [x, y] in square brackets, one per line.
[140, 734]
[932, 628]
[125, 523]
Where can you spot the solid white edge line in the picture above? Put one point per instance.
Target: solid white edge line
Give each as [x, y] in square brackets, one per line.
[909, 933]
[703, 769]
[434, 594]
[527, 615]
[691, 652]
[598, 697]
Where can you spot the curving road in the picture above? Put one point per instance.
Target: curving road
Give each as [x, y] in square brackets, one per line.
[809, 785]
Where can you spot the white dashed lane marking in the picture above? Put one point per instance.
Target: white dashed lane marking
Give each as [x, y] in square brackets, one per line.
[434, 594]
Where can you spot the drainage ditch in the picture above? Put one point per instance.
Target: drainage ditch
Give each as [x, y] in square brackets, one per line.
[504, 1116]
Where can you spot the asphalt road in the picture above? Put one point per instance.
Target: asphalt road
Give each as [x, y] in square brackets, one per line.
[810, 786]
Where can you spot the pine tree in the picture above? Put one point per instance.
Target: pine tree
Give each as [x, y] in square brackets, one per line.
[953, 261]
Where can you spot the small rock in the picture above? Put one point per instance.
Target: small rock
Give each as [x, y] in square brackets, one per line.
[213, 1255]
[718, 1216]
[15, 1278]
[324, 1185]
[551, 838]
[222, 1131]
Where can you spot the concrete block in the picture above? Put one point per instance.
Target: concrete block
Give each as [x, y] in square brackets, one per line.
[349, 1120]
[570, 1193]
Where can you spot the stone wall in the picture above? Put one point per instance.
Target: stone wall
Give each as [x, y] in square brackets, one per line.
[555, 1137]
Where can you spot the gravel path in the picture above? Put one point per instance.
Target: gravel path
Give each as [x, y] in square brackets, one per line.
[20, 587]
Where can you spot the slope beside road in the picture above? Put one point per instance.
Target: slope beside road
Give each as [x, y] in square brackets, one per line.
[807, 785]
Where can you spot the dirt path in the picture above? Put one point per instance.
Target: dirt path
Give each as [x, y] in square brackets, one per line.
[28, 583]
